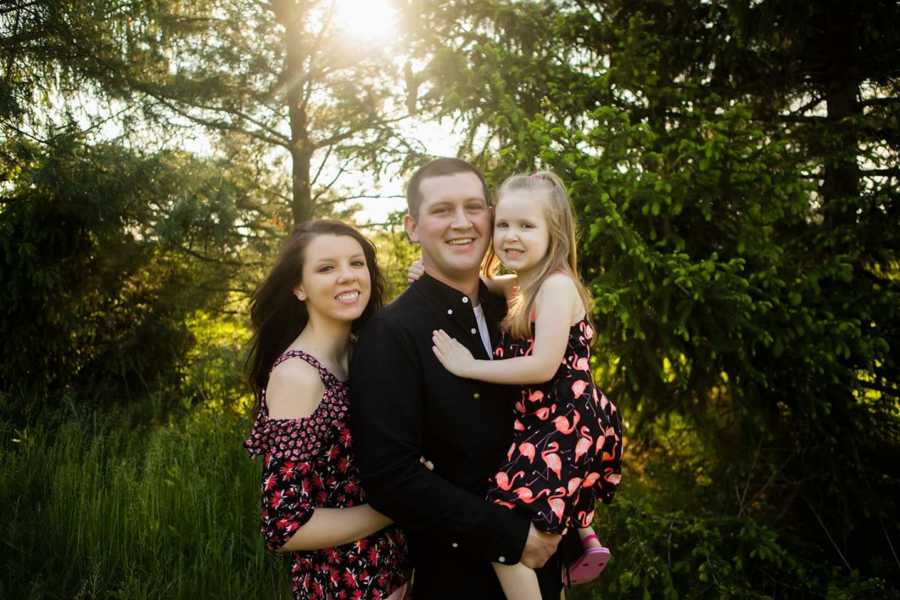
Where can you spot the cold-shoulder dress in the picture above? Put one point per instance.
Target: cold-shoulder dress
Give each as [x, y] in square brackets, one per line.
[308, 464]
[566, 451]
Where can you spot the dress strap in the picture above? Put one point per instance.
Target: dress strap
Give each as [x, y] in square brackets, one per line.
[327, 376]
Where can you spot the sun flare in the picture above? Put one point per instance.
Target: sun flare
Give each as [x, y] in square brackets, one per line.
[374, 20]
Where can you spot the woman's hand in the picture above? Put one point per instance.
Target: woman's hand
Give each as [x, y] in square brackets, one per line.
[416, 270]
[455, 357]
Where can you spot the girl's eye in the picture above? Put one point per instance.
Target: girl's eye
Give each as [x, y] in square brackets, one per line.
[359, 263]
[324, 268]
[501, 225]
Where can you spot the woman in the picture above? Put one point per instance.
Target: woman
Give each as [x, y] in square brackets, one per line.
[323, 287]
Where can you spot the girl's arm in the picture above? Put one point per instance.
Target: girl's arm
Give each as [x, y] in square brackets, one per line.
[292, 522]
[557, 305]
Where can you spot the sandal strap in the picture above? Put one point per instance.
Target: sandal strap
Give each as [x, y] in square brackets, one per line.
[589, 537]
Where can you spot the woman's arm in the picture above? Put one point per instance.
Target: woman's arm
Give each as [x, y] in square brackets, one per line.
[291, 521]
[330, 527]
[555, 305]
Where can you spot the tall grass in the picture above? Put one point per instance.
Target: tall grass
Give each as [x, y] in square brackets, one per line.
[94, 511]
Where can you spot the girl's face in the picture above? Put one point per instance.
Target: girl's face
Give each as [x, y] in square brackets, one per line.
[336, 284]
[521, 236]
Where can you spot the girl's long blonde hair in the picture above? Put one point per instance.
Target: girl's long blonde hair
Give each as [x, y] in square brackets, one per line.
[561, 256]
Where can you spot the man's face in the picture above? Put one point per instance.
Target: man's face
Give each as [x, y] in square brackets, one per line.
[453, 225]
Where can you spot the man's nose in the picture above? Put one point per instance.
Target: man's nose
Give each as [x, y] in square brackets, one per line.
[461, 219]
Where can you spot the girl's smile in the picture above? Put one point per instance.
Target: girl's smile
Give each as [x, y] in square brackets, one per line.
[521, 235]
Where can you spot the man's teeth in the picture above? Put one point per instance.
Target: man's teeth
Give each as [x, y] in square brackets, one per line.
[460, 242]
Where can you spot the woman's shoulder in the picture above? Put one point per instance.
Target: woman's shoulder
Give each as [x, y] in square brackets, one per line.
[294, 391]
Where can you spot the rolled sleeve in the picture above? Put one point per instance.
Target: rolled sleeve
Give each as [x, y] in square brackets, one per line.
[290, 492]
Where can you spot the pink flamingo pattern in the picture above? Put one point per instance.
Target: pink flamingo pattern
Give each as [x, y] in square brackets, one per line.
[566, 452]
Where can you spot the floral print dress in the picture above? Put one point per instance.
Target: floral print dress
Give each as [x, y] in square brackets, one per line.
[567, 441]
[308, 464]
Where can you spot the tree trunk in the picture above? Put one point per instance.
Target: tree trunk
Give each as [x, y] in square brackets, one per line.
[289, 14]
[840, 189]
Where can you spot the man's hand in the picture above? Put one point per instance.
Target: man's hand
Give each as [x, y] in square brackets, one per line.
[539, 547]
[455, 357]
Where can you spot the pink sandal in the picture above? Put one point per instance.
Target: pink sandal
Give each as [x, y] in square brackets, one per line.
[590, 564]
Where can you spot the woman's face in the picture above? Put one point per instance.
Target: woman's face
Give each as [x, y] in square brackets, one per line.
[336, 284]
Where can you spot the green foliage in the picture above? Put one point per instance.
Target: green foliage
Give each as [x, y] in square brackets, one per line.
[395, 254]
[745, 272]
[97, 511]
[105, 253]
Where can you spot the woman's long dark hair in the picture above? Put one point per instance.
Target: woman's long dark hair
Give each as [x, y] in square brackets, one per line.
[276, 314]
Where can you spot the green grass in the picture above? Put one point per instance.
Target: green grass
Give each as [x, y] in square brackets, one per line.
[92, 511]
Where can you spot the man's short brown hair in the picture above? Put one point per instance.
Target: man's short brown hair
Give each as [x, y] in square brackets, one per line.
[437, 168]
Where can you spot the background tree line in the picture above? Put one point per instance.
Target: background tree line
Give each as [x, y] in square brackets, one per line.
[734, 166]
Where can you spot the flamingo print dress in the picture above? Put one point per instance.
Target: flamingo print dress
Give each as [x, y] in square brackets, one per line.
[566, 451]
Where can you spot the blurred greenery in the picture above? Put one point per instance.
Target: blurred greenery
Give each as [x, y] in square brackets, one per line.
[734, 168]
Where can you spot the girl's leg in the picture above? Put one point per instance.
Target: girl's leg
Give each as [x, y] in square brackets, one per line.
[589, 538]
[518, 581]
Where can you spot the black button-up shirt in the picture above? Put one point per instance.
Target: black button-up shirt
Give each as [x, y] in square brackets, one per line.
[406, 405]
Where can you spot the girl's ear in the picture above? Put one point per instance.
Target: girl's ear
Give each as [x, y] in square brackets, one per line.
[299, 293]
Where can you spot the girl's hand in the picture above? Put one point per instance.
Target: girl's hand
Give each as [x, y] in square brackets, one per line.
[416, 270]
[455, 357]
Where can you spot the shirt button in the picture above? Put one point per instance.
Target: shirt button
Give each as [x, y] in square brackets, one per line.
[455, 545]
[449, 311]
[501, 559]
[465, 299]
[473, 330]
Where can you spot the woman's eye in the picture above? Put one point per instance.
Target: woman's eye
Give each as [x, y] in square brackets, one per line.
[324, 269]
[358, 263]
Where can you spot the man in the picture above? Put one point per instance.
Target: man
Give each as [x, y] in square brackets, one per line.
[406, 406]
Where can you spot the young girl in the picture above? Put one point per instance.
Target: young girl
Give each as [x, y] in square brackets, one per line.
[567, 441]
[324, 285]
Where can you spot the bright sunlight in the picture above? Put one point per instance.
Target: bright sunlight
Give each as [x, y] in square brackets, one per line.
[374, 20]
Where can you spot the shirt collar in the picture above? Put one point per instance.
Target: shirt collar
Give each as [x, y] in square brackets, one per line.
[446, 296]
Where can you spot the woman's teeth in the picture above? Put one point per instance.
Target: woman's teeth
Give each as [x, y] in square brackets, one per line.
[348, 297]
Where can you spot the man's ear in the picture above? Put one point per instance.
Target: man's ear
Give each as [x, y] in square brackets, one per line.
[409, 223]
